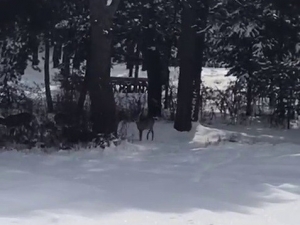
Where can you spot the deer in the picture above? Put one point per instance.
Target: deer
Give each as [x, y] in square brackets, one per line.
[18, 120]
[145, 123]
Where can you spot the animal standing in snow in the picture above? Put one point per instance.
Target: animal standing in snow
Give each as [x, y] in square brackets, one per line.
[12, 122]
[145, 123]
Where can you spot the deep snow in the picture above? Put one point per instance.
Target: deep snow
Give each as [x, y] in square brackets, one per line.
[172, 180]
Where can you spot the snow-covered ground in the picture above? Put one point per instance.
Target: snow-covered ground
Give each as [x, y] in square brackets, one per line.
[176, 179]
[216, 175]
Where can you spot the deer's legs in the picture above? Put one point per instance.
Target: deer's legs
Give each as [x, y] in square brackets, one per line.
[141, 134]
[152, 133]
[12, 131]
[29, 128]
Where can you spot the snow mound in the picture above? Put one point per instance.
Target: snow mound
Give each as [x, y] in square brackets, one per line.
[206, 135]
[199, 136]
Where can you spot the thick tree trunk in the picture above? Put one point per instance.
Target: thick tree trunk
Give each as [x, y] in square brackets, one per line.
[35, 53]
[197, 79]
[47, 75]
[103, 107]
[187, 70]
[199, 57]
[154, 72]
[152, 60]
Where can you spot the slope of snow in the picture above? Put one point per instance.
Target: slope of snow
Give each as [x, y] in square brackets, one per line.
[172, 180]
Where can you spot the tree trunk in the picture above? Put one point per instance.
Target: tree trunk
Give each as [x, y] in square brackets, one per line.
[198, 60]
[84, 89]
[196, 97]
[165, 70]
[66, 61]
[187, 70]
[56, 54]
[200, 45]
[290, 108]
[77, 60]
[130, 56]
[152, 60]
[35, 53]
[47, 75]
[103, 107]
[154, 72]
[249, 97]
[136, 67]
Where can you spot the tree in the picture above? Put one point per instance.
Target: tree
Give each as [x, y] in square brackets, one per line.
[101, 94]
[47, 75]
[258, 40]
[191, 47]
[237, 35]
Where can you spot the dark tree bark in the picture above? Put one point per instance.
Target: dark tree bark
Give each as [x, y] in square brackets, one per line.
[249, 96]
[84, 89]
[66, 60]
[103, 107]
[35, 52]
[130, 56]
[249, 93]
[152, 61]
[77, 60]
[136, 66]
[191, 49]
[47, 75]
[187, 44]
[165, 70]
[33, 44]
[199, 57]
[200, 45]
[154, 73]
[57, 54]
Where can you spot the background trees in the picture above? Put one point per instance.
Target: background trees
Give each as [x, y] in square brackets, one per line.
[258, 41]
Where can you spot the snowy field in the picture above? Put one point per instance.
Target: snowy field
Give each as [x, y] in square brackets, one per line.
[177, 179]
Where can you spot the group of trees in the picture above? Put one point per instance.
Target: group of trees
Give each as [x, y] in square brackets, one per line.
[258, 40]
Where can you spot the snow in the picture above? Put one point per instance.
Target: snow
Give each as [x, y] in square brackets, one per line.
[213, 175]
[212, 77]
[108, 3]
[177, 179]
